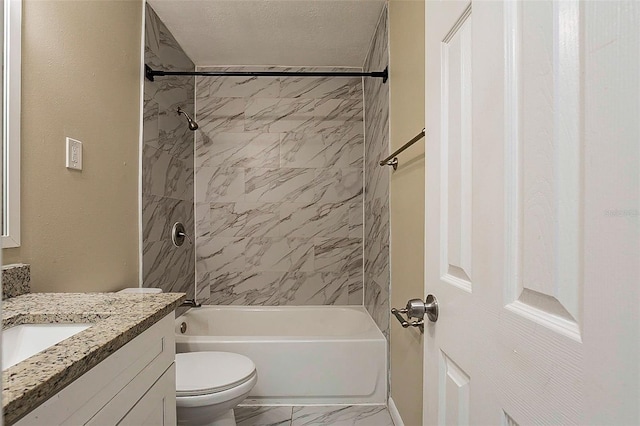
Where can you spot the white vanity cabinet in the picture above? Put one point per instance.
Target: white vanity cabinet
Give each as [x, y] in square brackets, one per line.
[133, 386]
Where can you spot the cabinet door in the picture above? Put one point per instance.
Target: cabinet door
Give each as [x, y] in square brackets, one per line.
[157, 406]
[113, 385]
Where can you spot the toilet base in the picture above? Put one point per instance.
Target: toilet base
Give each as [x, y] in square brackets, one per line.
[225, 419]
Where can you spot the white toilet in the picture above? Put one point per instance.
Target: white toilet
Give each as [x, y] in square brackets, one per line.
[209, 385]
[141, 290]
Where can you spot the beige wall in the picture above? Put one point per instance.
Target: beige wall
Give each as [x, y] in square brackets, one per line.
[407, 200]
[80, 78]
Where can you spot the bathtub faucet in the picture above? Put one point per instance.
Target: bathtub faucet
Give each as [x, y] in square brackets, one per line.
[193, 303]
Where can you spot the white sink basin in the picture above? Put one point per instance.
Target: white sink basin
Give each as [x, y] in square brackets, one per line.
[23, 341]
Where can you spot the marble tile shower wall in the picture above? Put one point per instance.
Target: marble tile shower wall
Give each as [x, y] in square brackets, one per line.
[376, 197]
[279, 187]
[167, 163]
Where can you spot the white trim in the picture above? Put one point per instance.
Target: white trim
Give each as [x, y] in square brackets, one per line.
[141, 147]
[424, 219]
[12, 92]
[388, 171]
[195, 199]
[395, 414]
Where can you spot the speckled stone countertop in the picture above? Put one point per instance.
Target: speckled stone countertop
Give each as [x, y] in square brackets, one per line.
[15, 280]
[117, 319]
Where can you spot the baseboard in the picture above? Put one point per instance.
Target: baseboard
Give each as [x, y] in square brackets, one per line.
[395, 414]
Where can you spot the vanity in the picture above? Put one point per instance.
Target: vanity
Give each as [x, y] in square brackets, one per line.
[117, 366]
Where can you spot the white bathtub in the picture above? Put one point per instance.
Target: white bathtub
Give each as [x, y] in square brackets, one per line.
[304, 355]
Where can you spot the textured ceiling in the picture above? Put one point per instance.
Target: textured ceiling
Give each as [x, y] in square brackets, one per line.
[272, 32]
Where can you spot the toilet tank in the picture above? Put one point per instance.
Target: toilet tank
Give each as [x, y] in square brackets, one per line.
[141, 290]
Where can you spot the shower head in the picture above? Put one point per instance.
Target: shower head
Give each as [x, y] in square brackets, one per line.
[192, 124]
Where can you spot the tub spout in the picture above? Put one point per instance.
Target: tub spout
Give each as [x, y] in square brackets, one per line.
[193, 303]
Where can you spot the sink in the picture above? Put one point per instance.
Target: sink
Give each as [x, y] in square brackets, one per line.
[25, 340]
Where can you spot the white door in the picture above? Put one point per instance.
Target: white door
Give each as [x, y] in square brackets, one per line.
[533, 212]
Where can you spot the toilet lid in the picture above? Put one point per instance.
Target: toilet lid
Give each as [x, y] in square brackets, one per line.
[202, 373]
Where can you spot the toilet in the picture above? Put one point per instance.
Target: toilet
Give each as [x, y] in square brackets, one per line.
[209, 385]
[141, 290]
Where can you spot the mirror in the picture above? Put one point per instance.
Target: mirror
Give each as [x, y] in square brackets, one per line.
[11, 70]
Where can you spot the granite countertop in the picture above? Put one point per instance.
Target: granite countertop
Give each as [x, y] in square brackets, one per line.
[117, 319]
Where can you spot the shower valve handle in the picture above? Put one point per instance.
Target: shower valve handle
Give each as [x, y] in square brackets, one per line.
[178, 234]
[182, 234]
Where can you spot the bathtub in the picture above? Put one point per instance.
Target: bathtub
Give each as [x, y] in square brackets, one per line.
[304, 355]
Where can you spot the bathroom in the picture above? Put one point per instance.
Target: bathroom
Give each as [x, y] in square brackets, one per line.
[286, 207]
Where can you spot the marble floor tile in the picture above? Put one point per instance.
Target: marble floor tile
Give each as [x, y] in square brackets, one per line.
[354, 415]
[263, 416]
[330, 415]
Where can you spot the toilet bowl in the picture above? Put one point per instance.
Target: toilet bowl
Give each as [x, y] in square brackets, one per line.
[210, 384]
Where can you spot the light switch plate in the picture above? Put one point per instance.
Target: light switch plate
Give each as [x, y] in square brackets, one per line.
[74, 154]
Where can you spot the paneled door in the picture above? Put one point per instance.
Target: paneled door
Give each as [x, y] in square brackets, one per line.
[532, 244]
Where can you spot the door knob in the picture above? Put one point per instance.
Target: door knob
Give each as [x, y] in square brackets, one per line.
[416, 308]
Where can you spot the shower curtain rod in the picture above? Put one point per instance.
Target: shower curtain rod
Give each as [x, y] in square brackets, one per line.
[151, 73]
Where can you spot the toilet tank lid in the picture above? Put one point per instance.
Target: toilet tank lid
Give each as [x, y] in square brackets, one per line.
[141, 290]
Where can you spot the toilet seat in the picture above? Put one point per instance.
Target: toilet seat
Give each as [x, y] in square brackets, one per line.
[218, 398]
[223, 371]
